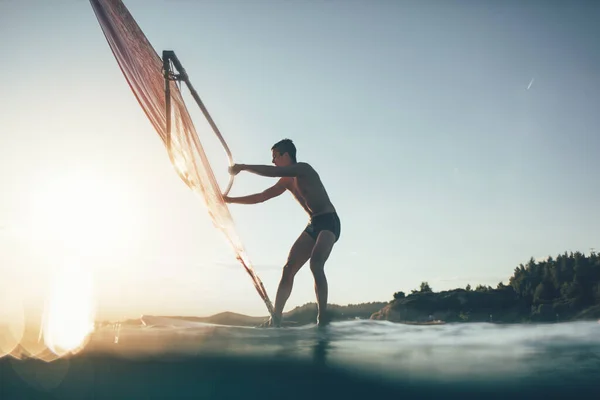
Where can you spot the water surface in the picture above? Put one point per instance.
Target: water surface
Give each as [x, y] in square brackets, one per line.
[170, 358]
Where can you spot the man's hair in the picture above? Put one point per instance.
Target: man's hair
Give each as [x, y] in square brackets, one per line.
[286, 146]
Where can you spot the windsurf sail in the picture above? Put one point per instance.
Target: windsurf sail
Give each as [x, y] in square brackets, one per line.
[154, 83]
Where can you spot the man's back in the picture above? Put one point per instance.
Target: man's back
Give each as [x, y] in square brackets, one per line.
[309, 191]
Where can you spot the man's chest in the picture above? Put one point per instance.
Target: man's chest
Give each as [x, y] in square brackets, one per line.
[297, 187]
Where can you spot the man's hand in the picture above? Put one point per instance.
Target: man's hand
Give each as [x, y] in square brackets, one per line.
[236, 168]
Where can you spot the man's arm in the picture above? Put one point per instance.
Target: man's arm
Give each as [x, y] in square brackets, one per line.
[271, 171]
[267, 194]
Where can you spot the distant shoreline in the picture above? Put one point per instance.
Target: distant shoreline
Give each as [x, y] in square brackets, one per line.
[561, 289]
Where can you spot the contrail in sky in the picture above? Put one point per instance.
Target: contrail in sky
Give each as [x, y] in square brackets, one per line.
[530, 83]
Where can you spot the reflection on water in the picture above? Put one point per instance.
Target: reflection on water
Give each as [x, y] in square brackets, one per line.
[320, 350]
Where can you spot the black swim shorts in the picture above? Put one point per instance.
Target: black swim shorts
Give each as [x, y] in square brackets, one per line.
[324, 222]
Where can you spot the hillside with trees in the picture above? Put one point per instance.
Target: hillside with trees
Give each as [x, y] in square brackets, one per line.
[557, 289]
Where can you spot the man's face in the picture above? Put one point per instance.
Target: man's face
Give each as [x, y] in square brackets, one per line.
[278, 159]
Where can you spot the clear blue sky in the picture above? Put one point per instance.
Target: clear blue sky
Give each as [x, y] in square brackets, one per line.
[456, 139]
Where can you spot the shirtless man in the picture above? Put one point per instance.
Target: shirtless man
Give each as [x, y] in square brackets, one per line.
[319, 236]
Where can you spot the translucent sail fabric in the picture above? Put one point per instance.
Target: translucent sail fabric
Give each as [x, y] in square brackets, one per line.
[143, 70]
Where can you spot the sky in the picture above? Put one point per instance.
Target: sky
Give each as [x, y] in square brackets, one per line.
[456, 141]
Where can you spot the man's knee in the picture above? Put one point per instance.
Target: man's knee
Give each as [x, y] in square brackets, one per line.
[322, 251]
[290, 269]
[317, 263]
[318, 272]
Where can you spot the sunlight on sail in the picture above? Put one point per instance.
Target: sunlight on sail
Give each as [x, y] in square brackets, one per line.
[69, 315]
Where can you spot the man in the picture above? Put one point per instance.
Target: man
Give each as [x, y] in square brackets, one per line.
[319, 236]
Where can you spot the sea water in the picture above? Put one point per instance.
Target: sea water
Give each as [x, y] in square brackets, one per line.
[171, 358]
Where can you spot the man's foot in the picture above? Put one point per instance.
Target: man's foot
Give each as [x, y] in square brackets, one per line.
[323, 320]
[271, 323]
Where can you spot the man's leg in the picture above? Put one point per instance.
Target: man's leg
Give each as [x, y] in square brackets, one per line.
[298, 256]
[319, 256]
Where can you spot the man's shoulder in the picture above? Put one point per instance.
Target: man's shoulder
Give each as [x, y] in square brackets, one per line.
[298, 169]
[304, 166]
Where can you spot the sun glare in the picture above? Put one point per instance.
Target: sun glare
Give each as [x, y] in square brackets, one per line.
[69, 315]
[83, 212]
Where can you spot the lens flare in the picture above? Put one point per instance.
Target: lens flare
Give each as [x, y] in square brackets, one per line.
[69, 315]
[12, 320]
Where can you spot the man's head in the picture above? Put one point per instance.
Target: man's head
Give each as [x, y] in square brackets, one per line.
[284, 153]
